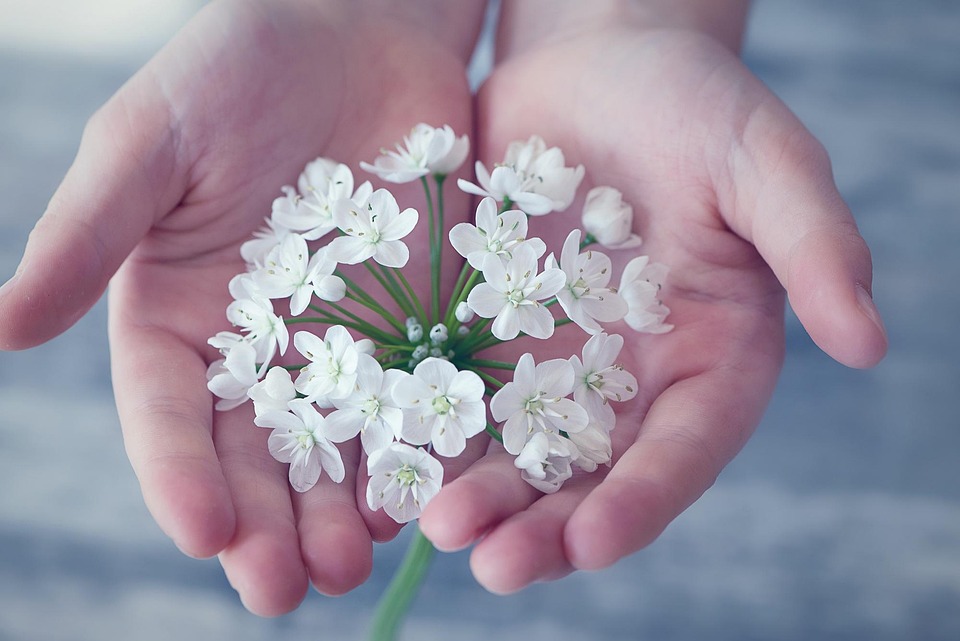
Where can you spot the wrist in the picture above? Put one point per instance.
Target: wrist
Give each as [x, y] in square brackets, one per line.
[530, 24]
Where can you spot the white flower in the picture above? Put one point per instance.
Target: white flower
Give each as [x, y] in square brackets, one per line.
[512, 293]
[289, 270]
[640, 287]
[608, 219]
[532, 176]
[403, 479]
[598, 378]
[585, 297]
[594, 447]
[370, 410]
[255, 251]
[231, 377]
[332, 372]
[545, 461]
[322, 183]
[441, 405]
[299, 438]
[427, 150]
[274, 392]
[372, 231]
[492, 235]
[534, 401]
[253, 312]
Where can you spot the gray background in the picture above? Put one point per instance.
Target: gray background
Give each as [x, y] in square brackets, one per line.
[840, 519]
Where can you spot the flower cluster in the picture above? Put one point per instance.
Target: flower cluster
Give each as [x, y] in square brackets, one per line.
[408, 379]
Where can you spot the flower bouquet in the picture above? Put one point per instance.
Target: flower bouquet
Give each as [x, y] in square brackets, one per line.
[408, 375]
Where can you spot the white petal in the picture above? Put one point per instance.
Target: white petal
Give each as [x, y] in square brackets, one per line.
[448, 441]
[515, 433]
[506, 326]
[342, 425]
[400, 226]
[535, 321]
[391, 253]
[331, 460]
[486, 301]
[350, 250]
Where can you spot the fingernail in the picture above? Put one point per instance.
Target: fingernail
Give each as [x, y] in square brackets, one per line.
[869, 308]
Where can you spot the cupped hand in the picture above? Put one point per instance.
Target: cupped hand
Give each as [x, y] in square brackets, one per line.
[737, 198]
[173, 174]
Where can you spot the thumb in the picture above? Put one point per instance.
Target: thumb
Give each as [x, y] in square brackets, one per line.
[782, 198]
[120, 183]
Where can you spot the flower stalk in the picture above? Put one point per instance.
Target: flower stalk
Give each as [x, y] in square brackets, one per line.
[403, 589]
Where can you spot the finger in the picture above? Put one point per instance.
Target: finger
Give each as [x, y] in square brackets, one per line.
[263, 561]
[778, 192]
[165, 413]
[689, 434]
[529, 546]
[334, 542]
[488, 492]
[124, 175]
[209, 480]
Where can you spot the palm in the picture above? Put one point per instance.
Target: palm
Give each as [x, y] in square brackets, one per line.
[659, 137]
[253, 109]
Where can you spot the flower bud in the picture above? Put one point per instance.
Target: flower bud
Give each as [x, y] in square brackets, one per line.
[463, 330]
[439, 333]
[419, 353]
[414, 332]
[463, 312]
[436, 352]
[608, 219]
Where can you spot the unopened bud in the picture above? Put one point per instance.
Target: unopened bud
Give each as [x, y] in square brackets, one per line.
[463, 312]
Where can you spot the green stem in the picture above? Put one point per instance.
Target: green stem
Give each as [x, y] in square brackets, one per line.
[492, 380]
[492, 431]
[434, 255]
[457, 293]
[483, 362]
[416, 299]
[389, 285]
[377, 308]
[396, 601]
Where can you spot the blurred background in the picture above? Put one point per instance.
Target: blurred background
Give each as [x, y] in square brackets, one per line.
[840, 519]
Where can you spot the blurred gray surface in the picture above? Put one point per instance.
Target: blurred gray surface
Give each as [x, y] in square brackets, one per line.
[840, 519]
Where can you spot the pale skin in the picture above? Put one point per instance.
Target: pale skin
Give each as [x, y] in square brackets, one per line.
[181, 165]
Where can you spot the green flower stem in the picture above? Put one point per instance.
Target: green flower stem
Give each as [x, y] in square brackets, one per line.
[493, 381]
[294, 368]
[377, 308]
[370, 329]
[562, 322]
[438, 244]
[389, 285]
[402, 590]
[434, 255]
[482, 362]
[494, 434]
[588, 239]
[465, 344]
[506, 206]
[457, 294]
[416, 299]
[362, 326]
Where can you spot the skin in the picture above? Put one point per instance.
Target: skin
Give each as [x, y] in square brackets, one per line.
[735, 196]
[173, 174]
[180, 167]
